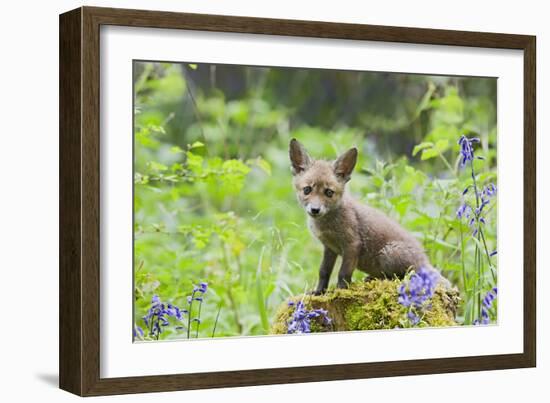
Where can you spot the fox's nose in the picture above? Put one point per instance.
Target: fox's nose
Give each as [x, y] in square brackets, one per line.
[315, 211]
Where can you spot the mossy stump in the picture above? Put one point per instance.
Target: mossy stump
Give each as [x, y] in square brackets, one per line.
[369, 305]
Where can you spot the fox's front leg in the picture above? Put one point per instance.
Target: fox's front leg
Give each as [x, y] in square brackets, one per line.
[349, 263]
[329, 258]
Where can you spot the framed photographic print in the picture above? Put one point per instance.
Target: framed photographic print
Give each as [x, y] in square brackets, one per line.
[264, 201]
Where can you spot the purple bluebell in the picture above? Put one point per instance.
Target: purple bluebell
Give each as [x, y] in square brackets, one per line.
[490, 190]
[201, 290]
[158, 313]
[464, 210]
[417, 291]
[414, 319]
[138, 332]
[300, 322]
[487, 304]
[419, 288]
[466, 149]
[403, 296]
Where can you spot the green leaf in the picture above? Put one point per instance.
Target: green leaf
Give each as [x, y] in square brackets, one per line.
[442, 145]
[429, 153]
[176, 149]
[156, 166]
[422, 146]
[192, 66]
[196, 144]
[262, 164]
[425, 101]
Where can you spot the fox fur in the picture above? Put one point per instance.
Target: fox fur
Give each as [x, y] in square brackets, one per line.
[363, 236]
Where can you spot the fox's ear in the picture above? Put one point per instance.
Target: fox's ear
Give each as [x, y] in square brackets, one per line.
[298, 157]
[344, 164]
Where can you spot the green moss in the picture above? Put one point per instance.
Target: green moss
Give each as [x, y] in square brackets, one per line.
[368, 306]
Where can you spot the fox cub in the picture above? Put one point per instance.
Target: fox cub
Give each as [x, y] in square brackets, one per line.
[366, 239]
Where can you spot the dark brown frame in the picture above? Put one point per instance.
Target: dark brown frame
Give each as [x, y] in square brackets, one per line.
[79, 200]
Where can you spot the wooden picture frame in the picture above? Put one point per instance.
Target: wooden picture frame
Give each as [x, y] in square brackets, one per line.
[79, 346]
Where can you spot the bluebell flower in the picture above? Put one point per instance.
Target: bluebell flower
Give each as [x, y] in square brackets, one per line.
[473, 216]
[202, 288]
[300, 321]
[403, 296]
[414, 319]
[138, 332]
[419, 288]
[466, 149]
[493, 253]
[464, 210]
[416, 293]
[490, 190]
[157, 315]
[487, 304]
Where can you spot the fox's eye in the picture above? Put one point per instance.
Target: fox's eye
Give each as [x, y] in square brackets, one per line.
[329, 192]
[307, 190]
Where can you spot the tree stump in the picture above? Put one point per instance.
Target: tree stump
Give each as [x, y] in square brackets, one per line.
[369, 305]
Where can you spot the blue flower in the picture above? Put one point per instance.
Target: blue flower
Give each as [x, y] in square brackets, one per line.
[463, 211]
[300, 321]
[413, 318]
[417, 291]
[403, 297]
[138, 332]
[466, 149]
[157, 315]
[487, 304]
[419, 288]
[202, 288]
[490, 190]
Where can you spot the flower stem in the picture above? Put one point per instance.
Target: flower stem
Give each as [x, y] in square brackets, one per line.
[493, 274]
[462, 256]
[216, 322]
[190, 314]
[199, 320]
[448, 165]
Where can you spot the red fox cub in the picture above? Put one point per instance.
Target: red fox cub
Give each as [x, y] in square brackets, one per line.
[366, 238]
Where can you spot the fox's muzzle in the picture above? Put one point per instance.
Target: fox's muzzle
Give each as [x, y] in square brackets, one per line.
[315, 210]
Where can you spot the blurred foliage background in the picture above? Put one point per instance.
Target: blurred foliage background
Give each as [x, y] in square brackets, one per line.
[213, 199]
